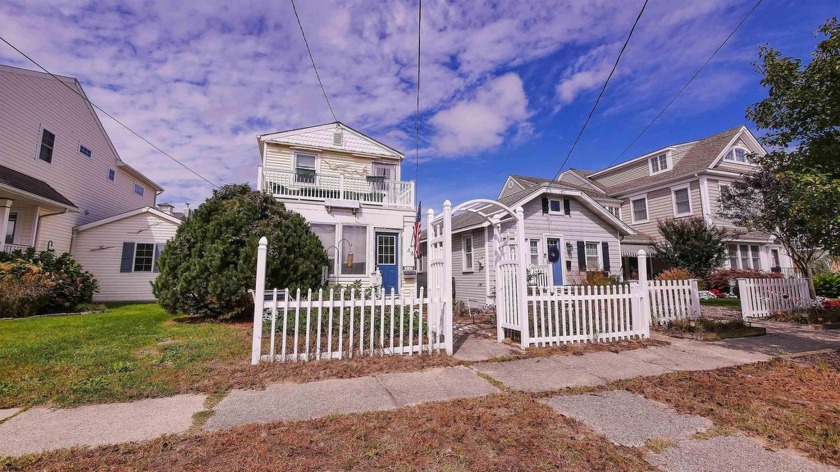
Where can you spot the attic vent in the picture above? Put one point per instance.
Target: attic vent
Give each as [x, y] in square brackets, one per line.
[338, 138]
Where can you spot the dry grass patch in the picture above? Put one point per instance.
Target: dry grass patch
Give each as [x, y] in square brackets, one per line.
[783, 403]
[659, 445]
[500, 432]
[826, 360]
[586, 348]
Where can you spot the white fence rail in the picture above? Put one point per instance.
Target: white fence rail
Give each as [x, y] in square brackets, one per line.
[344, 324]
[761, 298]
[671, 300]
[575, 314]
[317, 186]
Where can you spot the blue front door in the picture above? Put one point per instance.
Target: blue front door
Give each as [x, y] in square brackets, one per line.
[557, 266]
[387, 261]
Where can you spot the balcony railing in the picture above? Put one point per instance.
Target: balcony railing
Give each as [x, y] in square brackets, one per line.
[10, 248]
[320, 187]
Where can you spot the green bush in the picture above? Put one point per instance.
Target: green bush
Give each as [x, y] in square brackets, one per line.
[692, 244]
[37, 283]
[210, 265]
[827, 284]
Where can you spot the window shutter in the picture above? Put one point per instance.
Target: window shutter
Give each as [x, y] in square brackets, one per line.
[545, 205]
[158, 249]
[605, 253]
[567, 206]
[581, 246]
[127, 261]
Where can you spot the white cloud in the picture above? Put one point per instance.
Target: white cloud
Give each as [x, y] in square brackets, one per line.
[481, 122]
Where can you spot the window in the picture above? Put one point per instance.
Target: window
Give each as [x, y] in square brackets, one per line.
[733, 256]
[10, 230]
[326, 233]
[640, 213]
[775, 254]
[744, 256]
[563, 207]
[85, 151]
[354, 250]
[591, 256]
[305, 167]
[144, 255]
[534, 245]
[389, 171]
[682, 201]
[468, 253]
[386, 249]
[756, 258]
[554, 206]
[616, 211]
[112, 174]
[47, 144]
[659, 163]
[737, 155]
[139, 190]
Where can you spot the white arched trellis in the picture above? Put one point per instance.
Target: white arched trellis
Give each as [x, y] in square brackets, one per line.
[509, 257]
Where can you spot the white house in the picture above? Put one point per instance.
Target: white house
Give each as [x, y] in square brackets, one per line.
[347, 185]
[122, 252]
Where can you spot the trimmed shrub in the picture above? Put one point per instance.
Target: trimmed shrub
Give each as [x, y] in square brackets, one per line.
[601, 278]
[691, 243]
[677, 273]
[827, 284]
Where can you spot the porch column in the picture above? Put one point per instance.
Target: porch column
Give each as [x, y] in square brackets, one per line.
[522, 286]
[5, 210]
[36, 218]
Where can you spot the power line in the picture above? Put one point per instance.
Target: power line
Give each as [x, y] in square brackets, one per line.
[312, 59]
[135, 133]
[689, 82]
[603, 89]
[417, 115]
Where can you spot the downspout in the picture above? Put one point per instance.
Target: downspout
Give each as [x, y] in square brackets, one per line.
[40, 218]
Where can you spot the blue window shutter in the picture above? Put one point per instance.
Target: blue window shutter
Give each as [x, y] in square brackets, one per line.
[158, 249]
[605, 250]
[127, 261]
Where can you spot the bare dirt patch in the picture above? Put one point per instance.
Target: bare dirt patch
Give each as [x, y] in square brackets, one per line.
[500, 432]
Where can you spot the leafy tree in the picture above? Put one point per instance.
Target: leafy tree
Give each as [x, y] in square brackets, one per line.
[692, 244]
[795, 192]
[210, 265]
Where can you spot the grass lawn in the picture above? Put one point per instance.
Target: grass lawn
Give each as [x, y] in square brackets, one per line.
[131, 351]
[724, 302]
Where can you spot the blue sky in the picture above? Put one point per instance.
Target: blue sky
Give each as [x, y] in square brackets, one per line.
[505, 85]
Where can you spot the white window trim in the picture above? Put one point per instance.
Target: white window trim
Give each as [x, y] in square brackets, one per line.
[317, 160]
[134, 260]
[668, 161]
[739, 256]
[561, 211]
[731, 152]
[464, 267]
[41, 140]
[674, 200]
[633, 213]
[617, 214]
[598, 245]
[539, 250]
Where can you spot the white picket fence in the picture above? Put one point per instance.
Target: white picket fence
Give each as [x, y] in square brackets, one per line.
[672, 300]
[575, 314]
[761, 298]
[342, 324]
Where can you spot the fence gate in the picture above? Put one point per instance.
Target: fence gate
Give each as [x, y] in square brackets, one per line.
[439, 282]
[761, 298]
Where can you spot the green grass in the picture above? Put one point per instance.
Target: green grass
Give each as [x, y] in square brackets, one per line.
[725, 302]
[131, 351]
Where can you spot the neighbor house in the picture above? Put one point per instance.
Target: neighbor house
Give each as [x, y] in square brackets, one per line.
[580, 223]
[681, 181]
[348, 187]
[59, 173]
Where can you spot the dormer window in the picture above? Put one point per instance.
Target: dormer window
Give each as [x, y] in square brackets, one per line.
[659, 163]
[737, 155]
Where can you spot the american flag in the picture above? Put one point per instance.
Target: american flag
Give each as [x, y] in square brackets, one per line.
[417, 231]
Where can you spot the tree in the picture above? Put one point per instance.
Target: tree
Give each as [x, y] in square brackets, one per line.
[210, 265]
[794, 194]
[692, 244]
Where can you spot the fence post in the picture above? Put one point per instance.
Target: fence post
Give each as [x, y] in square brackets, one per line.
[259, 302]
[695, 299]
[745, 293]
[646, 317]
[522, 276]
[260, 179]
[447, 276]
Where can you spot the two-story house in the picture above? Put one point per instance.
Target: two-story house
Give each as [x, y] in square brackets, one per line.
[684, 180]
[348, 187]
[59, 172]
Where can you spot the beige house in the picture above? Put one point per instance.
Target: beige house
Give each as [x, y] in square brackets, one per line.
[348, 187]
[679, 181]
[60, 177]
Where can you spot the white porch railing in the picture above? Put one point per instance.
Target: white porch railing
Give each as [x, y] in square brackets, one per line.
[315, 186]
[761, 298]
[672, 300]
[539, 275]
[10, 248]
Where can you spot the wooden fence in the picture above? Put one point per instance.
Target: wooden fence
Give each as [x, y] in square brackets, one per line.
[671, 300]
[761, 298]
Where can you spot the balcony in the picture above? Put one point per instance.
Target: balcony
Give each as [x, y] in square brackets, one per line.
[311, 186]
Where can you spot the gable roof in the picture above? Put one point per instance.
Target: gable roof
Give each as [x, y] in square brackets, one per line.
[531, 182]
[321, 137]
[129, 214]
[32, 186]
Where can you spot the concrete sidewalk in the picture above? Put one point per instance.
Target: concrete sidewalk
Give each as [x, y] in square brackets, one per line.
[40, 429]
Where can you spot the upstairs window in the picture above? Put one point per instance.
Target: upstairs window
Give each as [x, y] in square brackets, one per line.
[305, 166]
[47, 144]
[85, 151]
[659, 163]
[639, 207]
[112, 175]
[737, 155]
[682, 201]
[139, 190]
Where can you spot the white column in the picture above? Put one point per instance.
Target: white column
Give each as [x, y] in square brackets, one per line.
[500, 295]
[447, 275]
[522, 283]
[260, 179]
[35, 219]
[644, 293]
[705, 202]
[5, 210]
[259, 302]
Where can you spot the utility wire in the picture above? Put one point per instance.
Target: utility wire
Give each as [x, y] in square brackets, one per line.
[417, 114]
[688, 83]
[135, 133]
[312, 59]
[603, 89]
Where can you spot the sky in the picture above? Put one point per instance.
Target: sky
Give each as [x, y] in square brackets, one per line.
[505, 86]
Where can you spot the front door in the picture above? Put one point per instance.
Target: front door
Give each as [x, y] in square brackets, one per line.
[556, 266]
[387, 261]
